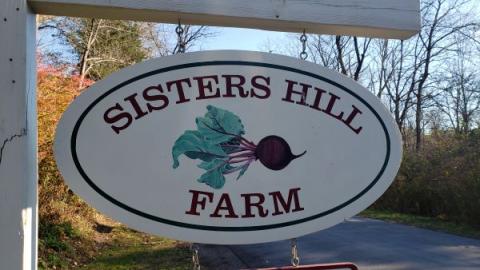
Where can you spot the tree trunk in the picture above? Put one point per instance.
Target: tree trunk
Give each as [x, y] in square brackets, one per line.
[84, 57]
[418, 121]
[343, 69]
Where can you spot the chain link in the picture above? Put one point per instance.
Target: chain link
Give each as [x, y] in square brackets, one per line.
[195, 258]
[295, 259]
[180, 42]
[303, 40]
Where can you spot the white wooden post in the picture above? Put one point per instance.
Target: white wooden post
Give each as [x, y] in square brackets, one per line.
[18, 137]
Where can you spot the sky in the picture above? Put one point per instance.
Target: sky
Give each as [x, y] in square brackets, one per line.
[240, 39]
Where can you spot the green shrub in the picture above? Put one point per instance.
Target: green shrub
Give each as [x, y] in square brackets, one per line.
[442, 180]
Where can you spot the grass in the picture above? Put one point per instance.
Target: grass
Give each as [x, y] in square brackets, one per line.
[108, 245]
[431, 223]
[57, 245]
[131, 250]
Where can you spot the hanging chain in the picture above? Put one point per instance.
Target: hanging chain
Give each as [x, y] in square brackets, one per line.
[180, 42]
[295, 259]
[303, 40]
[195, 257]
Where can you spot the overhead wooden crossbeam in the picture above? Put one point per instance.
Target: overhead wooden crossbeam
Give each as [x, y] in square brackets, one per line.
[397, 19]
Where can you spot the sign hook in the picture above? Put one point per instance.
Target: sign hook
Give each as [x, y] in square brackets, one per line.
[294, 252]
[180, 38]
[303, 40]
[195, 258]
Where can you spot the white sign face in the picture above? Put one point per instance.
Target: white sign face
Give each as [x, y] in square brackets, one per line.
[228, 147]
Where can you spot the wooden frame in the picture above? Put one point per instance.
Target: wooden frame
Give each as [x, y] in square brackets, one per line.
[18, 137]
[373, 18]
[398, 19]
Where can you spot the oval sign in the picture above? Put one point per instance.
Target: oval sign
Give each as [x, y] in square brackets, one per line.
[228, 147]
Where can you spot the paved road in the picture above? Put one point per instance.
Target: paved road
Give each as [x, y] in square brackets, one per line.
[371, 244]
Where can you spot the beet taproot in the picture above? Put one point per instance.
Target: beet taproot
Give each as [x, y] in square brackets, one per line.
[275, 153]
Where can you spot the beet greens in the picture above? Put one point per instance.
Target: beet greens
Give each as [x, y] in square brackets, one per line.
[219, 143]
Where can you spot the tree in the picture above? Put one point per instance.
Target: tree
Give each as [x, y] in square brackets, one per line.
[460, 99]
[322, 50]
[162, 40]
[441, 19]
[393, 76]
[101, 46]
[351, 54]
[345, 54]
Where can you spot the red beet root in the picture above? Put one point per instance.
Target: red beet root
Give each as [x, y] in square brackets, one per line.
[274, 152]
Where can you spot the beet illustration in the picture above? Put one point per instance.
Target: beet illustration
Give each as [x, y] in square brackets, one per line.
[219, 143]
[275, 153]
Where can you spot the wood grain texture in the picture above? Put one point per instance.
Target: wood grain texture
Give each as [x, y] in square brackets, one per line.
[374, 18]
[18, 137]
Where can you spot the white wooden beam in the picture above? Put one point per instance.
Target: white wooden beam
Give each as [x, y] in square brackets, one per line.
[398, 19]
[18, 137]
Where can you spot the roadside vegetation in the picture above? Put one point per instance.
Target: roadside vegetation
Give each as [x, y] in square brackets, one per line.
[431, 223]
[71, 234]
[65, 223]
[437, 187]
[440, 181]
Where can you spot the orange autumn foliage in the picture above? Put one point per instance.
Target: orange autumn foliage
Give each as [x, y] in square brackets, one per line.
[61, 213]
